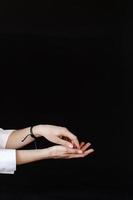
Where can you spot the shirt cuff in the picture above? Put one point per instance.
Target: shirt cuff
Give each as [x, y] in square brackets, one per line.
[7, 161]
[4, 135]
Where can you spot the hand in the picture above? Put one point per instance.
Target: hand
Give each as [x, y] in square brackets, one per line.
[62, 152]
[58, 135]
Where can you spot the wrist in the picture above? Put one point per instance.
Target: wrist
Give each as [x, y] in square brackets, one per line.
[36, 131]
[40, 130]
[45, 153]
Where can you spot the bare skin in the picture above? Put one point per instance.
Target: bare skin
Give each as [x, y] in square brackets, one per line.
[67, 147]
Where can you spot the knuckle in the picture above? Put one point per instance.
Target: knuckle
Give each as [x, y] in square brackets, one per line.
[76, 137]
[65, 129]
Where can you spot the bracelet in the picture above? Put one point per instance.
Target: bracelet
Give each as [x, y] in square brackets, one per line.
[31, 132]
[32, 135]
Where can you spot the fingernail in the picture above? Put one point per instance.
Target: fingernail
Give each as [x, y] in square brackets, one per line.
[70, 145]
[79, 151]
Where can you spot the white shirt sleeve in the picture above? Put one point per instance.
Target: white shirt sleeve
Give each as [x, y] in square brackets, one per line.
[7, 156]
[4, 134]
[7, 161]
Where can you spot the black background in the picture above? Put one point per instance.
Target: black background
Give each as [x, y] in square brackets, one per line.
[63, 63]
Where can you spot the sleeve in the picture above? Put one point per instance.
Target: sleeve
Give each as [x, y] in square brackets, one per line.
[7, 161]
[4, 134]
[7, 156]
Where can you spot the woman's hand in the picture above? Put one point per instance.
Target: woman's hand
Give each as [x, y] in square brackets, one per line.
[62, 152]
[55, 152]
[56, 134]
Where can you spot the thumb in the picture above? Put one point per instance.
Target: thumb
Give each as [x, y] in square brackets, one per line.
[64, 143]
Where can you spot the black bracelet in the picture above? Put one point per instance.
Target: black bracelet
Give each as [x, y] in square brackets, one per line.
[31, 132]
[32, 135]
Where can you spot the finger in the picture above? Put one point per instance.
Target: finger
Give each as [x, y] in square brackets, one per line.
[70, 135]
[65, 138]
[69, 140]
[88, 152]
[84, 147]
[74, 151]
[81, 144]
[82, 155]
[64, 143]
[75, 146]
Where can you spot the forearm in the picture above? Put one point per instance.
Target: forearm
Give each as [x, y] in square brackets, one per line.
[15, 139]
[28, 156]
